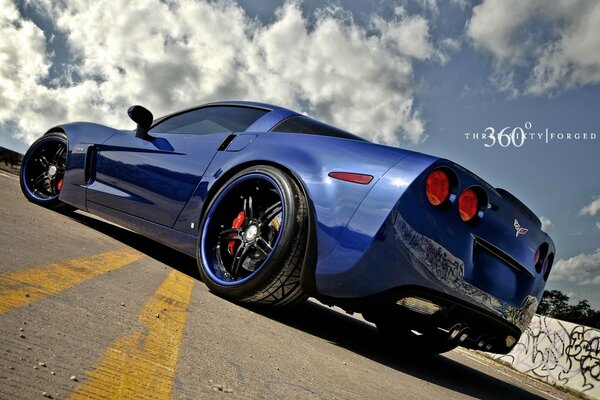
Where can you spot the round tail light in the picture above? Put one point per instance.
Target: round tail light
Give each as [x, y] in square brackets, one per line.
[468, 205]
[437, 187]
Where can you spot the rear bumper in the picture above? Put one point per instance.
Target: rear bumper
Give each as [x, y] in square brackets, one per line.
[401, 261]
[441, 268]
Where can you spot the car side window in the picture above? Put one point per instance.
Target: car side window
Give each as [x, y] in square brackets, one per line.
[302, 124]
[210, 119]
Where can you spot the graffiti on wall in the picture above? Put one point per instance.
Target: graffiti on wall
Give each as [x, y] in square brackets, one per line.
[559, 353]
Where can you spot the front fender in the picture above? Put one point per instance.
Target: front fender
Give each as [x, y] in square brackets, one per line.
[81, 137]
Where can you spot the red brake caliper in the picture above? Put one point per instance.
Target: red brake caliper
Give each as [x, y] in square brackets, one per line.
[59, 185]
[238, 222]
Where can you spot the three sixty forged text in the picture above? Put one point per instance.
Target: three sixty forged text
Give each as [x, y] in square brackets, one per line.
[518, 136]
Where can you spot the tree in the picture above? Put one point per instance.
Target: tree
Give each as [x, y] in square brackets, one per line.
[581, 313]
[555, 304]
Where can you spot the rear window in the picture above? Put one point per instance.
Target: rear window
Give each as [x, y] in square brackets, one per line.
[302, 124]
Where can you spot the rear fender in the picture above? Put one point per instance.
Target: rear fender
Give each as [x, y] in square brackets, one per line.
[336, 272]
[311, 158]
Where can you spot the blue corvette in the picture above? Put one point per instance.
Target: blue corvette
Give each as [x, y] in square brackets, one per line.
[276, 206]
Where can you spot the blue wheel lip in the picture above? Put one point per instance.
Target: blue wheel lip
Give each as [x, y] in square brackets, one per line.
[24, 166]
[203, 253]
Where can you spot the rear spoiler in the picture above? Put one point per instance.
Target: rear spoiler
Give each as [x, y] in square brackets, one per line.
[517, 203]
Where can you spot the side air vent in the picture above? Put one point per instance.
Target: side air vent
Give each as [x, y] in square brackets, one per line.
[90, 161]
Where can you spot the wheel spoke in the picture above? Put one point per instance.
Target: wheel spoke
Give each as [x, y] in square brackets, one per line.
[54, 184]
[43, 161]
[238, 259]
[264, 243]
[58, 155]
[250, 208]
[271, 213]
[40, 178]
[220, 263]
[225, 235]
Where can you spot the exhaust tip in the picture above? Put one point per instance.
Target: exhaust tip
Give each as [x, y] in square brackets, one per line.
[419, 305]
[455, 331]
[510, 341]
[482, 342]
[464, 334]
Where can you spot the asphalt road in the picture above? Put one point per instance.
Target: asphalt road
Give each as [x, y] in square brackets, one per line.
[91, 310]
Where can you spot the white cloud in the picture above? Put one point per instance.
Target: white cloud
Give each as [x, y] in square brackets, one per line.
[460, 3]
[429, 5]
[546, 224]
[410, 37]
[583, 269]
[553, 43]
[592, 208]
[169, 55]
[598, 225]
[23, 62]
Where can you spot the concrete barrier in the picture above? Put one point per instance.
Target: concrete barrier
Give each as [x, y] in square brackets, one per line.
[10, 161]
[559, 353]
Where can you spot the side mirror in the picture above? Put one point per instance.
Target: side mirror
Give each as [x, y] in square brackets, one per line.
[143, 118]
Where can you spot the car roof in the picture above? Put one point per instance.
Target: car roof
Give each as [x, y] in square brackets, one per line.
[273, 116]
[241, 103]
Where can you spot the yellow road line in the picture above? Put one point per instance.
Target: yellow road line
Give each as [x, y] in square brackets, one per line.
[142, 365]
[26, 286]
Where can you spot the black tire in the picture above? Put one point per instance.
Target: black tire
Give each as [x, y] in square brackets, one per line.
[258, 262]
[408, 342]
[43, 170]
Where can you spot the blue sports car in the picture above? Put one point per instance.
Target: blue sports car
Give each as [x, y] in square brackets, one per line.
[276, 207]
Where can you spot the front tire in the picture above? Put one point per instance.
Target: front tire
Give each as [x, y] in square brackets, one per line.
[43, 169]
[253, 237]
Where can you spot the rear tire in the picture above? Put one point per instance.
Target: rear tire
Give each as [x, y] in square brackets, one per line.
[256, 260]
[43, 169]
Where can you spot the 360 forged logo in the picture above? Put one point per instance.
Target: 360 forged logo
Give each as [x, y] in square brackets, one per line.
[518, 136]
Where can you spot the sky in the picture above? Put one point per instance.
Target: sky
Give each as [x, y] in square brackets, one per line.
[431, 76]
